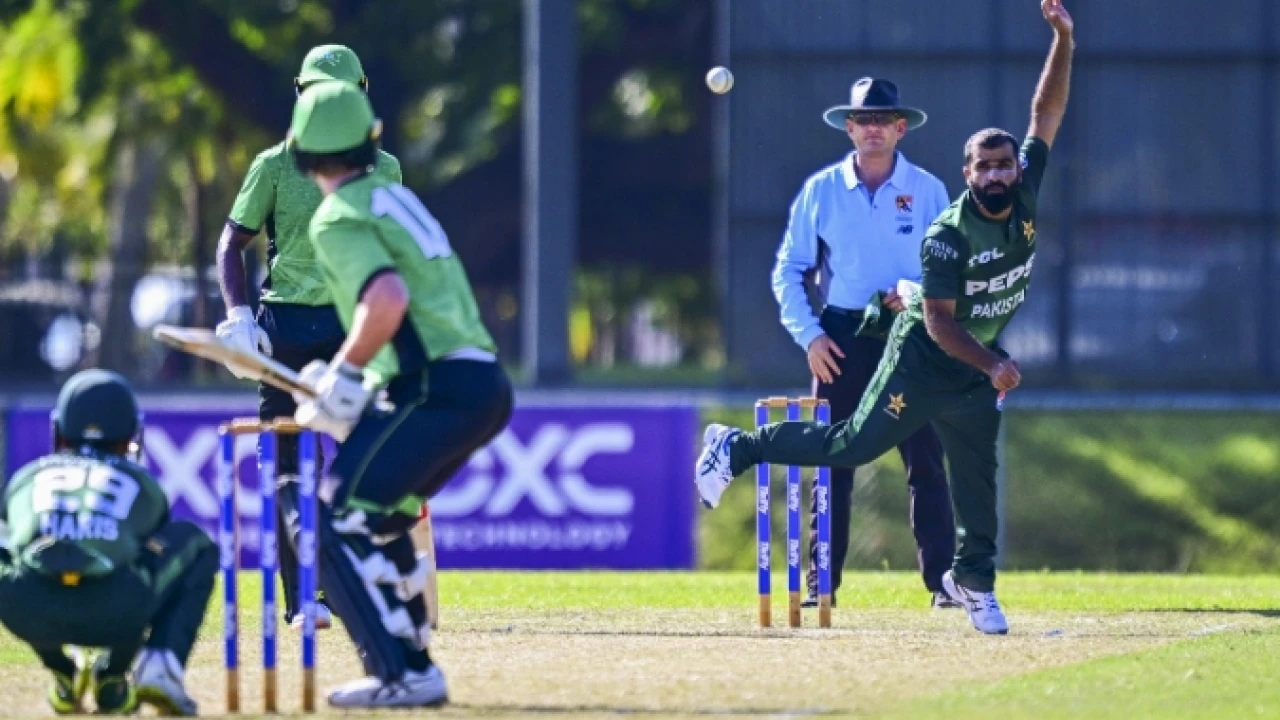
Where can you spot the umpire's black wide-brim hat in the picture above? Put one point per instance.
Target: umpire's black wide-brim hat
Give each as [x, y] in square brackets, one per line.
[873, 95]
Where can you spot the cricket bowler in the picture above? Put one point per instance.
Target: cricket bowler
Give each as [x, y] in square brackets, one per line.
[91, 559]
[943, 363]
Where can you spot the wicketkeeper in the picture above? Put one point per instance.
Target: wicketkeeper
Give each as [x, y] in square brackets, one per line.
[91, 559]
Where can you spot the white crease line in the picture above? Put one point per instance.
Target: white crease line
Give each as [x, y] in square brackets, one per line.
[1212, 629]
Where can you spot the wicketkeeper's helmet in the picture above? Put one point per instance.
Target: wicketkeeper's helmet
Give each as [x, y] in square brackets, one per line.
[96, 407]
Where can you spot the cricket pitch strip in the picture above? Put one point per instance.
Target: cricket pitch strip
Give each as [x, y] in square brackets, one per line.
[665, 662]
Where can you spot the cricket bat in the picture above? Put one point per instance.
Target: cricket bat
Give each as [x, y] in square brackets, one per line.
[205, 343]
[425, 542]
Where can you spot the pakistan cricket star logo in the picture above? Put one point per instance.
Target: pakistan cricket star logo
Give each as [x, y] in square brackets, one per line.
[896, 406]
[1029, 231]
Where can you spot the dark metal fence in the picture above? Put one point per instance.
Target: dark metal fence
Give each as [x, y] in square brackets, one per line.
[1160, 239]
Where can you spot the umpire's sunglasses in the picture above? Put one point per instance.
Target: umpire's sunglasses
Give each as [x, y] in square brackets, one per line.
[874, 118]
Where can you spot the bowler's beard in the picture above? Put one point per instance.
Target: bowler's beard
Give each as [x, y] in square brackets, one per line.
[994, 202]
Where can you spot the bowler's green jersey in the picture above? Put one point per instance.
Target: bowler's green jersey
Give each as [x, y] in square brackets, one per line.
[81, 514]
[277, 198]
[983, 264]
[370, 226]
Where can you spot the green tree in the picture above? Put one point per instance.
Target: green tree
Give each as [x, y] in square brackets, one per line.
[126, 126]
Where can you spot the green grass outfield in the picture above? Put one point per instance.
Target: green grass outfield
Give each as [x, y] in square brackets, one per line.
[681, 644]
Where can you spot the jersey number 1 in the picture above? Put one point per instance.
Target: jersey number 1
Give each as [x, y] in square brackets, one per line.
[401, 205]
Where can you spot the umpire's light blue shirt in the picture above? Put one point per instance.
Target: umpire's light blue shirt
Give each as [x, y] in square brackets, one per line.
[865, 241]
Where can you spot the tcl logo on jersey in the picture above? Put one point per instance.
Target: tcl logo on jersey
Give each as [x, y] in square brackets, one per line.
[985, 257]
[547, 472]
[1000, 282]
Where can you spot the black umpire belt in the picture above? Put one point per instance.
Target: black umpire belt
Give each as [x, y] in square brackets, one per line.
[843, 312]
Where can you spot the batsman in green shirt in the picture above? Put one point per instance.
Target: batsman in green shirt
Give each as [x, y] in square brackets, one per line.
[413, 328]
[296, 321]
[943, 363]
[91, 559]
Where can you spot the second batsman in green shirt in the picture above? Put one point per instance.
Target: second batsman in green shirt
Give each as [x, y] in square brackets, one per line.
[413, 328]
[296, 321]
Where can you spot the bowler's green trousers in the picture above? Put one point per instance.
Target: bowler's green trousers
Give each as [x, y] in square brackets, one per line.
[916, 383]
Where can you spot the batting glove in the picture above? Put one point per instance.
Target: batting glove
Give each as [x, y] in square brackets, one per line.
[241, 332]
[340, 400]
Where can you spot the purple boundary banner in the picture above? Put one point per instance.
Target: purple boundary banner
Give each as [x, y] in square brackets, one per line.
[560, 488]
[575, 488]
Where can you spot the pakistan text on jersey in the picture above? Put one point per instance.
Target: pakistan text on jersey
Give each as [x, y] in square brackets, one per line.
[999, 308]
[86, 526]
[1001, 282]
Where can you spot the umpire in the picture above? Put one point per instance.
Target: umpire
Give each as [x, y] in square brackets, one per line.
[859, 225]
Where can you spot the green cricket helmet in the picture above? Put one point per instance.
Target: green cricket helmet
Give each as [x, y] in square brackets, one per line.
[333, 119]
[96, 407]
[330, 62]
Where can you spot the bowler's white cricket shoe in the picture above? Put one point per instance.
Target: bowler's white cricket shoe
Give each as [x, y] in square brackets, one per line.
[415, 689]
[984, 611]
[712, 474]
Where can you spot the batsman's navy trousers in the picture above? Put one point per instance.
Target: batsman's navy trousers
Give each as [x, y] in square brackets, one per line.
[298, 334]
[389, 464]
[930, 508]
[442, 415]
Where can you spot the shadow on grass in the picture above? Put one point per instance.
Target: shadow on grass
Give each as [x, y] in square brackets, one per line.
[762, 634]
[1266, 613]
[491, 710]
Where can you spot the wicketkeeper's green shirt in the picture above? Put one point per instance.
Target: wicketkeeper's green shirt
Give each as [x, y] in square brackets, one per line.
[71, 514]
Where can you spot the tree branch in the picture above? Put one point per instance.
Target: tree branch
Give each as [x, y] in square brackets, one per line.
[199, 37]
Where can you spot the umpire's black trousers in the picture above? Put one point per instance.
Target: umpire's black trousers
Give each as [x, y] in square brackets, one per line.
[931, 516]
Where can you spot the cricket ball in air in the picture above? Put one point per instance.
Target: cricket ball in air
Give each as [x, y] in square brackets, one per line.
[719, 79]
